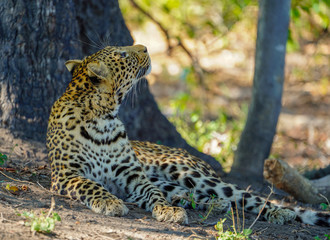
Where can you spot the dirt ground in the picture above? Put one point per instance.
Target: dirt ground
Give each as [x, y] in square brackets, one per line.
[24, 184]
[303, 140]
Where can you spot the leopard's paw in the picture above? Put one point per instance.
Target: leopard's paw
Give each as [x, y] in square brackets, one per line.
[220, 205]
[281, 216]
[170, 214]
[110, 207]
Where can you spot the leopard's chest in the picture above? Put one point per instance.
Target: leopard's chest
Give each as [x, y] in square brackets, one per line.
[100, 165]
[103, 149]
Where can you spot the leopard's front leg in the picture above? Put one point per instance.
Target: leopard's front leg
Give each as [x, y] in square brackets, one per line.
[141, 191]
[92, 194]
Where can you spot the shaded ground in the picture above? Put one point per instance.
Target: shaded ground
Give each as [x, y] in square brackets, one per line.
[28, 164]
[303, 140]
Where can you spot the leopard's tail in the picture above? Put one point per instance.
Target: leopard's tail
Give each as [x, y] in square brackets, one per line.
[313, 217]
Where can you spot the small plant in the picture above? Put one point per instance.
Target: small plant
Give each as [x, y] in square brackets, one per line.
[325, 206]
[190, 199]
[231, 235]
[326, 235]
[239, 231]
[42, 223]
[3, 159]
[193, 203]
[203, 218]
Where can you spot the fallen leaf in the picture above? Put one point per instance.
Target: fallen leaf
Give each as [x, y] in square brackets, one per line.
[12, 188]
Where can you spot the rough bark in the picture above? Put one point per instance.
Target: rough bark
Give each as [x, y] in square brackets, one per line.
[288, 179]
[257, 137]
[36, 38]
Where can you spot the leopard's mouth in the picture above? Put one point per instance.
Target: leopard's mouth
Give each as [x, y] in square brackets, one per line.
[144, 71]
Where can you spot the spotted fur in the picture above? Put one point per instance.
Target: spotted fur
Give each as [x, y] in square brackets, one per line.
[93, 161]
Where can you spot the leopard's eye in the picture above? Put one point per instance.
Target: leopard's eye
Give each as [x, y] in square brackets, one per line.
[123, 54]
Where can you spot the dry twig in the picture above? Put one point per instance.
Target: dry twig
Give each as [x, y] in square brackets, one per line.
[16, 180]
[267, 199]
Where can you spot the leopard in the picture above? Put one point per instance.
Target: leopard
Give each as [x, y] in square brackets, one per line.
[93, 161]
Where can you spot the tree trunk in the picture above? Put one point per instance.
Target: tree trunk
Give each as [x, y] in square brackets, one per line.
[36, 39]
[257, 137]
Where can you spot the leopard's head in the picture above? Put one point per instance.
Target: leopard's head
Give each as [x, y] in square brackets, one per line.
[112, 70]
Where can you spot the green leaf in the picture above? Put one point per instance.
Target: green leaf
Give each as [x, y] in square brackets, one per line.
[57, 217]
[28, 214]
[35, 226]
[324, 206]
[3, 158]
[172, 4]
[327, 2]
[147, 2]
[316, 7]
[182, 202]
[295, 13]
[324, 20]
[306, 9]
[193, 204]
[166, 9]
[191, 32]
[247, 232]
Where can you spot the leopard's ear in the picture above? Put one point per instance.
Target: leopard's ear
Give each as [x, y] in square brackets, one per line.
[97, 69]
[71, 64]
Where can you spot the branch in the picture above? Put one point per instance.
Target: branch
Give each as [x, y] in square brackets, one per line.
[167, 35]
